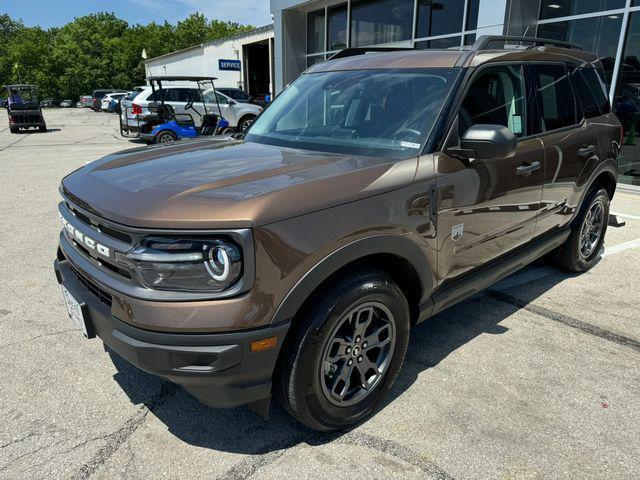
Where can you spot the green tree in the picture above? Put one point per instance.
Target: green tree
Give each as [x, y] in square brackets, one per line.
[96, 51]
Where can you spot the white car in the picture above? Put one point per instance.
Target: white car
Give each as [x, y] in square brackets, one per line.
[239, 115]
[104, 104]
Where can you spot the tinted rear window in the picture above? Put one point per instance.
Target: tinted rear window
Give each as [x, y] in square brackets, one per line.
[598, 87]
[556, 103]
[591, 91]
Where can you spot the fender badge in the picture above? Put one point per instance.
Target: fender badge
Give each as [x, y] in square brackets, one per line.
[457, 231]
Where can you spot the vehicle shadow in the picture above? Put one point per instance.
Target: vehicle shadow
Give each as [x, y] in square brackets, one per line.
[240, 431]
[35, 132]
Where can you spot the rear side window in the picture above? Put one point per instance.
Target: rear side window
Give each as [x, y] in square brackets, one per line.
[556, 103]
[496, 96]
[236, 94]
[589, 105]
[598, 87]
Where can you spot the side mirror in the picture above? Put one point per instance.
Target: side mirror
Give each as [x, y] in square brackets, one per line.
[485, 142]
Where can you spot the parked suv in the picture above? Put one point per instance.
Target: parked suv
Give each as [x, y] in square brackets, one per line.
[378, 189]
[187, 99]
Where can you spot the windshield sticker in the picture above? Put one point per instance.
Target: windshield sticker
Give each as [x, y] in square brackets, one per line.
[409, 144]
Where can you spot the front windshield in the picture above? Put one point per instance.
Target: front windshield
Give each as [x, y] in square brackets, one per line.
[387, 113]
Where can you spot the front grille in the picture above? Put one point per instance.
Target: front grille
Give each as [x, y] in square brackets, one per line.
[98, 292]
[104, 263]
[96, 224]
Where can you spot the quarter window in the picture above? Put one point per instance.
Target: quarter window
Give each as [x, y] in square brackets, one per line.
[557, 107]
[496, 97]
[597, 86]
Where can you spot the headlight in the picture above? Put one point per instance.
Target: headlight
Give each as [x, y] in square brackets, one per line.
[186, 265]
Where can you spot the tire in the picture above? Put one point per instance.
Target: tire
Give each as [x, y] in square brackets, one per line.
[166, 136]
[581, 250]
[245, 122]
[14, 129]
[42, 128]
[314, 388]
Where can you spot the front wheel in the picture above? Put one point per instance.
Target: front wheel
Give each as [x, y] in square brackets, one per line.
[345, 352]
[581, 250]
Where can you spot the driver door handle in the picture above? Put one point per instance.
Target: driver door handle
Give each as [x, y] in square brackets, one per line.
[526, 169]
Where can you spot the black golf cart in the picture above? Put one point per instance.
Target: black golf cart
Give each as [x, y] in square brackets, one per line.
[161, 123]
[23, 108]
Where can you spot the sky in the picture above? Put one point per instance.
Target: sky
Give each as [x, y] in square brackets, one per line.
[48, 13]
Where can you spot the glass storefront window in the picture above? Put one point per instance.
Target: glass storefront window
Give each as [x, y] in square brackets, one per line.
[313, 59]
[626, 103]
[439, 17]
[596, 34]
[380, 21]
[565, 8]
[472, 14]
[337, 27]
[315, 31]
[441, 43]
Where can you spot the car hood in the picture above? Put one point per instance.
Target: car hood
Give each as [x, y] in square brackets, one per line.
[225, 183]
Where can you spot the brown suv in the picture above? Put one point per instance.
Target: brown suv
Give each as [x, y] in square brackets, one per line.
[378, 189]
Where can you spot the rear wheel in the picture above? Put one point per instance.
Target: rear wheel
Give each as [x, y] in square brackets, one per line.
[245, 122]
[13, 129]
[345, 352]
[580, 251]
[42, 128]
[166, 136]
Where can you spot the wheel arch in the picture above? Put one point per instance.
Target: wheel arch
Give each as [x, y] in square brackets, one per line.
[605, 174]
[397, 256]
[606, 179]
[245, 116]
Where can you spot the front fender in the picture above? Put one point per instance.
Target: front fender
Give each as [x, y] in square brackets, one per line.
[397, 245]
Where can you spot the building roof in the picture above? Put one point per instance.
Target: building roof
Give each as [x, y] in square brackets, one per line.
[218, 41]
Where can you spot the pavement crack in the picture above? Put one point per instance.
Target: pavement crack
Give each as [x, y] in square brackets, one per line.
[269, 454]
[394, 449]
[565, 319]
[120, 436]
[19, 440]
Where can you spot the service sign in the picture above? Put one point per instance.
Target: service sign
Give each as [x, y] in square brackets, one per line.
[233, 65]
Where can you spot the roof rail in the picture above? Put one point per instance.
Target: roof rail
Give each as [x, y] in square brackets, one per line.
[484, 42]
[353, 51]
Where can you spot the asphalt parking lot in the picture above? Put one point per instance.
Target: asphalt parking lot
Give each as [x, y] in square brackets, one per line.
[538, 377]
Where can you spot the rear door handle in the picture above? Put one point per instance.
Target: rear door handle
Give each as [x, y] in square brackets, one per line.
[587, 151]
[527, 169]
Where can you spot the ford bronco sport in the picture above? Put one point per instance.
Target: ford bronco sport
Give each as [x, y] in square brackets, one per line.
[378, 189]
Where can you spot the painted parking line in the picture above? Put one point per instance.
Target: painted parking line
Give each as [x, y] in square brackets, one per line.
[538, 273]
[625, 215]
[621, 247]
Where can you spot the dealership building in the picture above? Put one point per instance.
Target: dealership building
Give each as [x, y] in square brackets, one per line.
[244, 61]
[305, 33]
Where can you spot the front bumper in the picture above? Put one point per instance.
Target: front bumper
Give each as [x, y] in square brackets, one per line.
[218, 369]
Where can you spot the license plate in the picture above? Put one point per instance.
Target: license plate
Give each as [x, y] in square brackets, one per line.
[75, 311]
